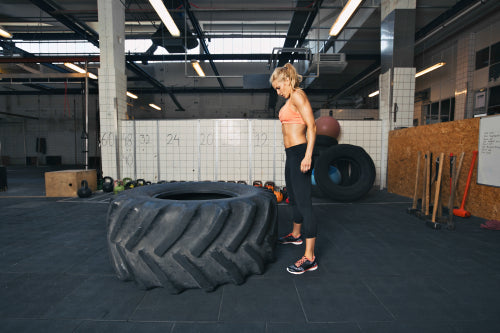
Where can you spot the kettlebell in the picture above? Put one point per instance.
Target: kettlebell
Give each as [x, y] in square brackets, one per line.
[130, 185]
[257, 183]
[84, 191]
[118, 186]
[140, 182]
[107, 184]
[269, 185]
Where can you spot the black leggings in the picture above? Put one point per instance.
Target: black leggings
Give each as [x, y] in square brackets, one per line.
[298, 185]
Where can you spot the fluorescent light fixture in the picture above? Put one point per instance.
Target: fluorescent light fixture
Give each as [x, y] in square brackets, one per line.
[344, 16]
[129, 94]
[4, 33]
[154, 106]
[165, 17]
[80, 70]
[430, 69]
[197, 68]
[375, 93]
[74, 67]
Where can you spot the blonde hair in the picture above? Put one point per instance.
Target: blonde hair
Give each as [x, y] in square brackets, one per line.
[287, 71]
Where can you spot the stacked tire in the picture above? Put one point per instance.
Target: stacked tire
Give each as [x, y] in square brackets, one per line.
[355, 165]
[191, 234]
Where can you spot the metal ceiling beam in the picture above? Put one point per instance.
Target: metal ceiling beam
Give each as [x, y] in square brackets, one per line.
[93, 37]
[199, 33]
[78, 27]
[139, 71]
[365, 77]
[156, 90]
[464, 13]
[168, 57]
[448, 14]
[10, 46]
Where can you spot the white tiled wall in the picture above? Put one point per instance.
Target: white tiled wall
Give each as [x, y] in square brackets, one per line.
[222, 149]
[404, 96]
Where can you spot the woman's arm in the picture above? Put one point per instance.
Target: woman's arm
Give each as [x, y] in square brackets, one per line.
[301, 103]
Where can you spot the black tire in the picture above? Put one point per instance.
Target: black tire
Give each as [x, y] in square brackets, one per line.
[355, 166]
[192, 234]
[325, 141]
[322, 142]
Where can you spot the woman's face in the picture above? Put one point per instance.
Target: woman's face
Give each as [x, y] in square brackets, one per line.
[283, 87]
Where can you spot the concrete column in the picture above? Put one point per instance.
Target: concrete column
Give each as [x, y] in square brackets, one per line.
[464, 77]
[112, 83]
[397, 79]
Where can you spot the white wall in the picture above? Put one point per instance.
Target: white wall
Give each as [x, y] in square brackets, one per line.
[221, 149]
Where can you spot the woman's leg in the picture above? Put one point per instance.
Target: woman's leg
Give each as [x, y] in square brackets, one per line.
[291, 162]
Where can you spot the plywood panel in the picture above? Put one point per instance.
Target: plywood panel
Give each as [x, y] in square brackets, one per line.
[65, 183]
[453, 137]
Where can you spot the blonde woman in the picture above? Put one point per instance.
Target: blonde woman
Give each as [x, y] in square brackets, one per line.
[299, 134]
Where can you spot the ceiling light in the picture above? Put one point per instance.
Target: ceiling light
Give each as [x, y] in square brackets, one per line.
[373, 94]
[154, 106]
[165, 17]
[344, 16]
[80, 70]
[74, 67]
[430, 69]
[197, 68]
[4, 33]
[129, 94]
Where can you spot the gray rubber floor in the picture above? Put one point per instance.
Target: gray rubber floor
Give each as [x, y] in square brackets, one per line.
[380, 270]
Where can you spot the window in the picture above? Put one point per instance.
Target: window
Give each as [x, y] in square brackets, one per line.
[482, 58]
[440, 112]
[495, 53]
[494, 101]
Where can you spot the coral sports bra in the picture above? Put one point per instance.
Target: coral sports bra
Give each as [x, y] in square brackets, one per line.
[288, 115]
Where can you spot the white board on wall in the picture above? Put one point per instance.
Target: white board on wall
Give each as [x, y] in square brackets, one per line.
[488, 171]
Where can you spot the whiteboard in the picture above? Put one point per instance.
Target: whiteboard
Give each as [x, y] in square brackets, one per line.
[488, 165]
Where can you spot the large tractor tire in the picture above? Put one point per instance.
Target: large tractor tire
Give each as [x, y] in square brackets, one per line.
[191, 234]
[356, 168]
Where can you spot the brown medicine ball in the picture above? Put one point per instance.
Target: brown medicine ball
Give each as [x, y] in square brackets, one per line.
[328, 126]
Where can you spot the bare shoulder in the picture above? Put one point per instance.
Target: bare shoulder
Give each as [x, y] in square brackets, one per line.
[299, 97]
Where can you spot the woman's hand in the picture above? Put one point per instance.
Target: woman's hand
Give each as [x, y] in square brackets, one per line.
[305, 165]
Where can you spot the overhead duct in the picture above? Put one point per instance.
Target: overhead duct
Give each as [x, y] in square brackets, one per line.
[163, 38]
[328, 63]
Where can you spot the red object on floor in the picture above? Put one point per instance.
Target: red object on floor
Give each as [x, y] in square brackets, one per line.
[461, 211]
[491, 225]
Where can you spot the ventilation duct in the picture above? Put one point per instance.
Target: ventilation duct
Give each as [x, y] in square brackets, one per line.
[329, 63]
[181, 44]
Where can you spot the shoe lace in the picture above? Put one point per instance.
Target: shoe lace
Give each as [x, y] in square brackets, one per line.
[301, 261]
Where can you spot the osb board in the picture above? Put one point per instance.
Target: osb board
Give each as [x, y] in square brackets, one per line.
[451, 137]
[66, 183]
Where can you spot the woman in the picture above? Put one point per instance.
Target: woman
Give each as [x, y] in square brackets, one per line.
[299, 133]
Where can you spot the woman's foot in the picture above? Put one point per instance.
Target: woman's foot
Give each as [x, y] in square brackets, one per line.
[290, 239]
[303, 265]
